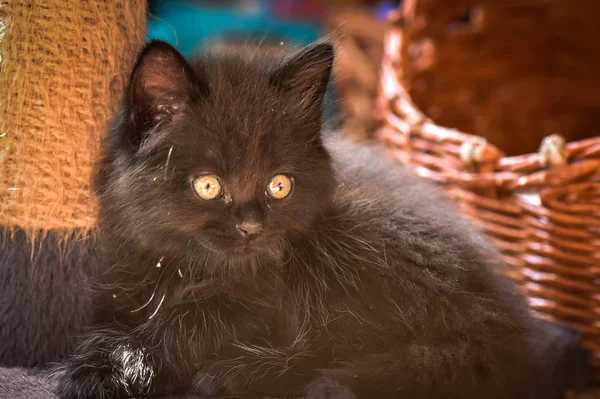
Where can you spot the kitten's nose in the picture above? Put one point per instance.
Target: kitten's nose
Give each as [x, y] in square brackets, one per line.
[249, 228]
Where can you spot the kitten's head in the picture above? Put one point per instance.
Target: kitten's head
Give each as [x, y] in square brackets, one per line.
[220, 155]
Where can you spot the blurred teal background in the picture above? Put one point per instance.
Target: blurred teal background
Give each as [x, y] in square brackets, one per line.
[188, 24]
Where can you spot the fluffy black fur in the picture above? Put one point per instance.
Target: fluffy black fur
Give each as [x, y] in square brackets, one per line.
[364, 282]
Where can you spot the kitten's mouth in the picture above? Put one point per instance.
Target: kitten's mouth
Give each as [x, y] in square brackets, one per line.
[244, 251]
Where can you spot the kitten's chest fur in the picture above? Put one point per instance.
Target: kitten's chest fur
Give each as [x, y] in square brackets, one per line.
[300, 305]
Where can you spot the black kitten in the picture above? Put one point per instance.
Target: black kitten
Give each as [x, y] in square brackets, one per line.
[243, 254]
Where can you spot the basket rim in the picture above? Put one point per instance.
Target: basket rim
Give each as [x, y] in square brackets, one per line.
[480, 162]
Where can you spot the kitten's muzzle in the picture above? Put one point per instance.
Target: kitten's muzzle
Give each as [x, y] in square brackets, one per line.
[249, 229]
[249, 216]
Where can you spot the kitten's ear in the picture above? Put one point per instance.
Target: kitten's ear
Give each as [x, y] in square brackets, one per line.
[161, 84]
[307, 72]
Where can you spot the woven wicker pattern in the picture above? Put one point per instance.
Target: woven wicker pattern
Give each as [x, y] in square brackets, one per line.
[62, 70]
[359, 48]
[542, 210]
[494, 68]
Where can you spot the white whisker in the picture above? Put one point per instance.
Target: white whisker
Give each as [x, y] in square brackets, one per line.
[168, 159]
[158, 307]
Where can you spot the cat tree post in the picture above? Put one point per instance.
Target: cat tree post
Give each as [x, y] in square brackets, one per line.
[63, 65]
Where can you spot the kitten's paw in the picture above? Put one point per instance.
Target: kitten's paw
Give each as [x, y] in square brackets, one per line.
[327, 388]
[124, 373]
[88, 381]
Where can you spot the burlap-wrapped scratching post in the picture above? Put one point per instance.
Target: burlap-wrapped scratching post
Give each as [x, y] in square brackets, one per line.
[63, 67]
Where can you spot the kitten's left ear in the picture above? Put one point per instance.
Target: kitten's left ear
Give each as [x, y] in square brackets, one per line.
[161, 84]
[307, 72]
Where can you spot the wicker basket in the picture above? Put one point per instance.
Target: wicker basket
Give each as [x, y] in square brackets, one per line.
[359, 40]
[542, 210]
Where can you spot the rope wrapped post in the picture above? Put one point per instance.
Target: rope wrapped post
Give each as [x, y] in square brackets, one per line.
[63, 67]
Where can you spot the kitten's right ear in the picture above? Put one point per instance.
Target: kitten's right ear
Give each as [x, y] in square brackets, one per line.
[306, 73]
[161, 85]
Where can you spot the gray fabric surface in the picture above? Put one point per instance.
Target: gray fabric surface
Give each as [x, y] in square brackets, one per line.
[21, 383]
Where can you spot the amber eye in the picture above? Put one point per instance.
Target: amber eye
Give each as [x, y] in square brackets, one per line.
[208, 187]
[279, 187]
